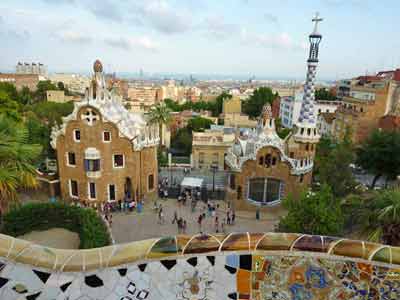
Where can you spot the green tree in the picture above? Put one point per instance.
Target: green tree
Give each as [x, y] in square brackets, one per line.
[25, 96]
[8, 106]
[16, 160]
[199, 124]
[379, 154]
[332, 165]
[313, 213]
[216, 109]
[261, 96]
[376, 215]
[182, 141]
[51, 112]
[41, 89]
[324, 94]
[39, 133]
[172, 105]
[10, 90]
[160, 114]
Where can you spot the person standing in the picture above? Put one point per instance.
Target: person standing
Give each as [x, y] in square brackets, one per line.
[233, 217]
[216, 224]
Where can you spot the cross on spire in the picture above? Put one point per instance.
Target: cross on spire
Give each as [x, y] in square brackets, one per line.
[316, 19]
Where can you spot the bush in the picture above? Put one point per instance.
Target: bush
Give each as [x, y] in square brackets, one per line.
[316, 213]
[86, 222]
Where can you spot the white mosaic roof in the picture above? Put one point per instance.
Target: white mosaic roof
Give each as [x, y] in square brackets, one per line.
[246, 147]
[131, 125]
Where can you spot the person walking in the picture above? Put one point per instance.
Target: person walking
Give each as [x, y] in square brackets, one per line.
[199, 220]
[175, 219]
[184, 226]
[233, 217]
[160, 215]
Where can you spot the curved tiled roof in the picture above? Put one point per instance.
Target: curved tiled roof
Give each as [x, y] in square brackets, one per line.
[175, 246]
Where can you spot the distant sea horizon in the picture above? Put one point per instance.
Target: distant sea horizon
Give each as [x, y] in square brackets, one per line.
[194, 76]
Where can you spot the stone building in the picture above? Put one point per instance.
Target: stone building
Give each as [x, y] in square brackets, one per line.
[209, 147]
[370, 98]
[104, 152]
[21, 80]
[263, 167]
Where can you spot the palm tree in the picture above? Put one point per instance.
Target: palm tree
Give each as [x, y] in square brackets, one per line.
[160, 114]
[379, 216]
[16, 158]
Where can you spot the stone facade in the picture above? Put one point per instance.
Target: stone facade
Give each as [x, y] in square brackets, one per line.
[209, 148]
[104, 152]
[366, 104]
[21, 80]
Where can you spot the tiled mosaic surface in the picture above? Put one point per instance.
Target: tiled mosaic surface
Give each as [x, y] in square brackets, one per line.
[238, 266]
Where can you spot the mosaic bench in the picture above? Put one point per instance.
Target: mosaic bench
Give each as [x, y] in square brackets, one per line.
[258, 266]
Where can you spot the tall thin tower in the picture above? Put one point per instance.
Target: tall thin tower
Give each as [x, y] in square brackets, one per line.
[307, 122]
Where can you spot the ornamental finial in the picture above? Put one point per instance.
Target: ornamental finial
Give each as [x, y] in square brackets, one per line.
[316, 20]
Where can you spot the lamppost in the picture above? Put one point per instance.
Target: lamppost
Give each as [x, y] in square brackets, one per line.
[214, 169]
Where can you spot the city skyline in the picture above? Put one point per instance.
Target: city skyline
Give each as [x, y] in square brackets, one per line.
[239, 38]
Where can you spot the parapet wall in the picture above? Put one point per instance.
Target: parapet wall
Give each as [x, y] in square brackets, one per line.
[257, 266]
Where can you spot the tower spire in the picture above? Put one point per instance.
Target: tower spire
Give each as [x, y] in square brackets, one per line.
[307, 119]
[307, 113]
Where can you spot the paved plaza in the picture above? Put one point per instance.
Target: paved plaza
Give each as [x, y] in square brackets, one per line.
[133, 226]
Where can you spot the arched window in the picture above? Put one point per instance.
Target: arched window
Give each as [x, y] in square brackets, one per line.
[263, 191]
[301, 163]
[301, 178]
[302, 131]
[307, 147]
[268, 160]
[261, 160]
[274, 161]
[308, 131]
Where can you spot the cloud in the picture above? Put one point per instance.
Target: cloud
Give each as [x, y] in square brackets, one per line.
[217, 27]
[105, 9]
[131, 43]
[282, 41]
[71, 36]
[164, 18]
[271, 18]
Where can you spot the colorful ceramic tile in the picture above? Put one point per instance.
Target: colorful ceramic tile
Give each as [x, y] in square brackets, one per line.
[254, 239]
[277, 241]
[349, 248]
[163, 247]
[182, 241]
[201, 244]
[382, 255]
[243, 281]
[309, 243]
[236, 241]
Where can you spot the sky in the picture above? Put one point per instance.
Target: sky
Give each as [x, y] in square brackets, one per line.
[264, 38]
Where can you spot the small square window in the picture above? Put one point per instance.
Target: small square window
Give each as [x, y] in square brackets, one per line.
[106, 136]
[77, 135]
[73, 188]
[118, 160]
[71, 159]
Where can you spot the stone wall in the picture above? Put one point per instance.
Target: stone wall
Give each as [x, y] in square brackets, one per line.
[237, 266]
[138, 165]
